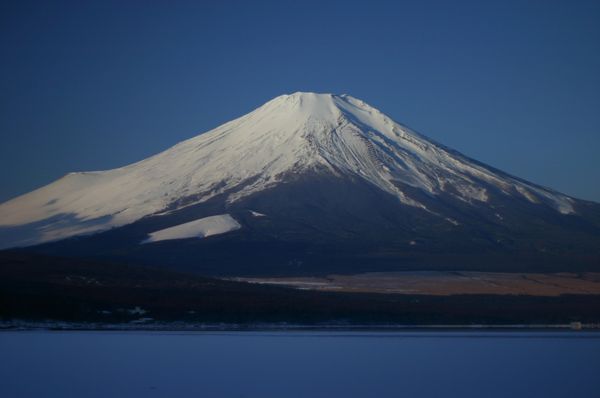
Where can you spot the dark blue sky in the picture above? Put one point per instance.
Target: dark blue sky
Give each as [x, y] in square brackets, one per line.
[90, 87]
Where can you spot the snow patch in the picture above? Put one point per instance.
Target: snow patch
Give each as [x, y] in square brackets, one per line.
[202, 228]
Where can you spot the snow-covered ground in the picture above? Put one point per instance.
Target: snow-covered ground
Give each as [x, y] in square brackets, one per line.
[202, 228]
[287, 135]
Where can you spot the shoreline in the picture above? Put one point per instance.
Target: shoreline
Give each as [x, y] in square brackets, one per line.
[12, 326]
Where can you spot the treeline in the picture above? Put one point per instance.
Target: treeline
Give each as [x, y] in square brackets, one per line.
[34, 287]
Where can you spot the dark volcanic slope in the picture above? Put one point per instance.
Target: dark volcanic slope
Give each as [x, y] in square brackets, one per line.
[317, 224]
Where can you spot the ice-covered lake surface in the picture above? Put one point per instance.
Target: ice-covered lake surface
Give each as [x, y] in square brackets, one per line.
[299, 364]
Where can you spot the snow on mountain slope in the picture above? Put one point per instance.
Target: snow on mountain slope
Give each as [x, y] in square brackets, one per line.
[286, 136]
[202, 228]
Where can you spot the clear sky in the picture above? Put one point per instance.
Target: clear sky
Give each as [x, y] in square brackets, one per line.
[514, 84]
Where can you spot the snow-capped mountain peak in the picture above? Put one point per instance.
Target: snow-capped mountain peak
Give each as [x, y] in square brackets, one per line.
[288, 136]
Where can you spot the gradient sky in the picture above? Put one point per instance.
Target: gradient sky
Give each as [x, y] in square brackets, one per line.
[99, 85]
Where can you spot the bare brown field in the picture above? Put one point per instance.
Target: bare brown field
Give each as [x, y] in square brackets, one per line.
[446, 283]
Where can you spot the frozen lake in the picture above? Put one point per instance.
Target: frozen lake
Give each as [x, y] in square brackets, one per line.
[299, 364]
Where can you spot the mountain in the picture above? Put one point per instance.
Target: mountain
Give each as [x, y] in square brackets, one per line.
[307, 183]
